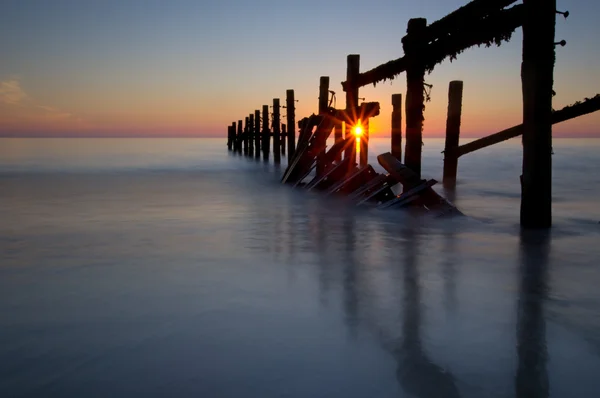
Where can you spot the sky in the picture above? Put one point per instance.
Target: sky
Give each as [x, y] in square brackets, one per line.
[192, 67]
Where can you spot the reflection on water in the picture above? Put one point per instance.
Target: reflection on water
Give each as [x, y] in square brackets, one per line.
[207, 282]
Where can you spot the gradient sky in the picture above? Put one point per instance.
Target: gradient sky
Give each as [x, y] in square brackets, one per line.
[191, 67]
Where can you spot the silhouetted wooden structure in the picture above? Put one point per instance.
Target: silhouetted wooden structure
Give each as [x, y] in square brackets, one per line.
[310, 164]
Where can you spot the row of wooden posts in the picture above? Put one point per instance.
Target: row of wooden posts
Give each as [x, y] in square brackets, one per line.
[252, 136]
[480, 22]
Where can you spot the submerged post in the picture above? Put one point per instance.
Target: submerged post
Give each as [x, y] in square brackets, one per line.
[240, 130]
[323, 107]
[413, 44]
[246, 127]
[537, 78]
[397, 126]
[283, 137]
[352, 72]
[276, 132]
[338, 136]
[257, 133]
[266, 137]
[455, 93]
[251, 135]
[229, 138]
[364, 143]
[233, 137]
[291, 122]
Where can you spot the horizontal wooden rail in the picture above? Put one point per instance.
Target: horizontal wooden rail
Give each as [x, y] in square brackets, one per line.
[590, 105]
[494, 29]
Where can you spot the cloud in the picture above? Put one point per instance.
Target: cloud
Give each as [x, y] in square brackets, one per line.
[21, 113]
[11, 92]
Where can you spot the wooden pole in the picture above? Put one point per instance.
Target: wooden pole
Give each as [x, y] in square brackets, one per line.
[364, 143]
[352, 72]
[276, 132]
[233, 137]
[240, 130]
[283, 138]
[246, 136]
[338, 136]
[537, 78]
[397, 126]
[229, 138]
[257, 133]
[415, 101]
[323, 106]
[266, 137]
[251, 135]
[455, 93]
[291, 122]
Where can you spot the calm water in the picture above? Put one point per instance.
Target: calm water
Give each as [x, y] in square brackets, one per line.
[162, 268]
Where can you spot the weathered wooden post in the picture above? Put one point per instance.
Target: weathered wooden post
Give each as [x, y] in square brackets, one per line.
[323, 107]
[246, 136]
[364, 143]
[239, 136]
[338, 135]
[455, 93]
[233, 137]
[397, 126]
[229, 138]
[251, 135]
[257, 133]
[537, 78]
[352, 72]
[291, 122]
[266, 134]
[276, 132]
[413, 44]
[283, 138]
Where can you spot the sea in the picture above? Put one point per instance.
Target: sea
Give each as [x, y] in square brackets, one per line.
[175, 268]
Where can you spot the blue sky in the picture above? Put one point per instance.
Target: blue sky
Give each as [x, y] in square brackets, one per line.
[191, 67]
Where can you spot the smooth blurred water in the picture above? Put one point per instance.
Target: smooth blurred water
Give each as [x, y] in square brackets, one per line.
[174, 268]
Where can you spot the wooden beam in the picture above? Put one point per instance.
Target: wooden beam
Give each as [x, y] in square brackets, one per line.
[567, 113]
[397, 126]
[276, 131]
[494, 29]
[537, 77]
[290, 104]
[266, 134]
[257, 135]
[352, 73]
[415, 99]
[455, 94]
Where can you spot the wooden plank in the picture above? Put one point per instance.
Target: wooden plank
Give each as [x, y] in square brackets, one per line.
[578, 109]
[361, 176]
[318, 181]
[400, 172]
[408, 196]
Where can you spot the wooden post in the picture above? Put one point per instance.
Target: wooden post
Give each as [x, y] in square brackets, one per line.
[364, 143]
[397, 126]
[251, 135]
[266, 134]
[276, 132]
[246, 136]
[257, 133]
[233, 137]
[413, 44]
[352, 72]
[338, 136]
[283, 138]
[537, 78]
[239, 136]
[323, 106]
[290, 104]
[229, 138]
[455, 93]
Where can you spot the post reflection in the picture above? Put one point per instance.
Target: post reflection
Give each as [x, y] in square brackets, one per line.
[531, 380]
[415, 371]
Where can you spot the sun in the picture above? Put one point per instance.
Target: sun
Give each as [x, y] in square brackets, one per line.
[357, 130]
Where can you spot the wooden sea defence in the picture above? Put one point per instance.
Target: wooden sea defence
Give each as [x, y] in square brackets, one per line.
[336, 170]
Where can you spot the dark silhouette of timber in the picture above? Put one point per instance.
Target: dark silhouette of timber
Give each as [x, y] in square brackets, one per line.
[313, 166]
